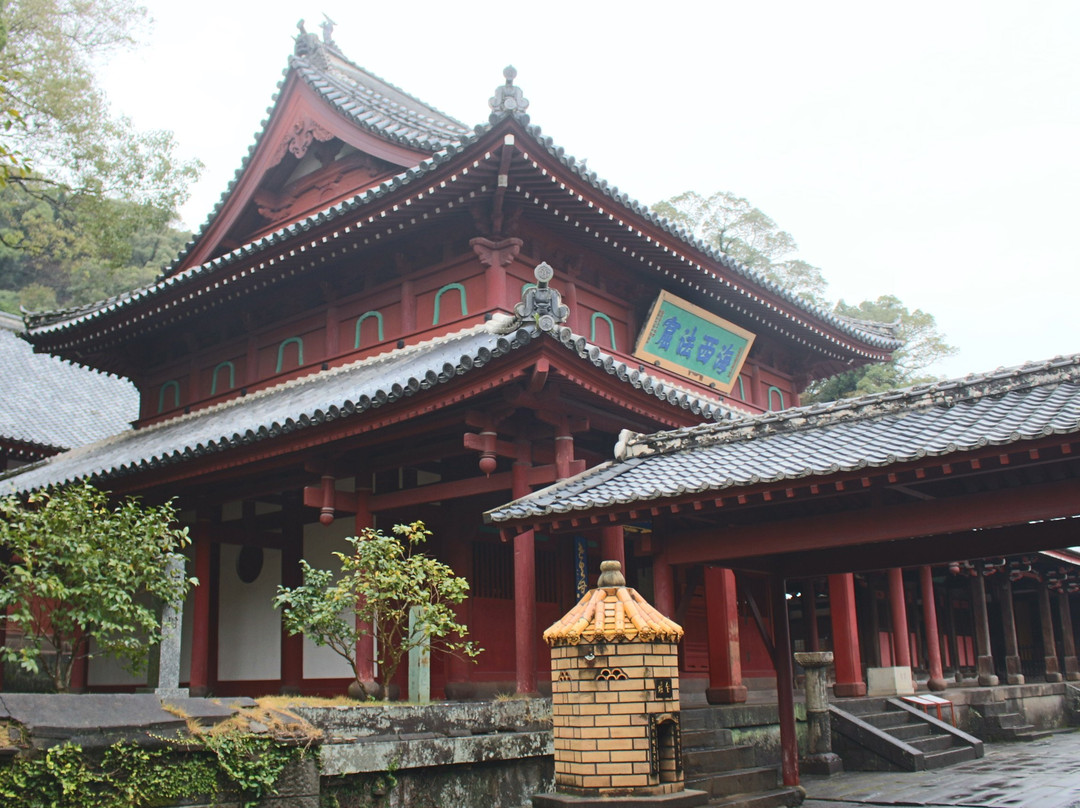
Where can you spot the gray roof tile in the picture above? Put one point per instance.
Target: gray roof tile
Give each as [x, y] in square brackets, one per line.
[53, 403]
[325, 396]
[997, 408]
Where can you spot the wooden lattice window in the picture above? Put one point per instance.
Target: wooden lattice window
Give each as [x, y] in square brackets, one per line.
[492, 571]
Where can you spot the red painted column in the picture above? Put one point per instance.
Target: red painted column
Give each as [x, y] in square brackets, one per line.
[524, 583]
[1013, 667]
[898, 613]
[292, 646]
[365, 644]
[985, 662]
[785, 684]
[663, 584]
[1046, 618]
[1068, 639]
[725, 666]
[80, 668]
[612, 545]
[809, 602]
[564, 449]
[845, 630]
[933, 640]
[458, 546]
[199, 679]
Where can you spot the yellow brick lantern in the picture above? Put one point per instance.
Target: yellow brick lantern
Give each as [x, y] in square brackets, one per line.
[615, 700]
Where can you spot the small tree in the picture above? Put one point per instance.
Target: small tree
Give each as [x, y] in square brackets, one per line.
[381, 580]
[77, 573]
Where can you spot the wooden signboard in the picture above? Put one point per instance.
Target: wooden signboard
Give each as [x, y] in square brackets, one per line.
[685, 339]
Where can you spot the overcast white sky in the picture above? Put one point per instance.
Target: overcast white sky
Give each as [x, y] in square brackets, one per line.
[926, 149]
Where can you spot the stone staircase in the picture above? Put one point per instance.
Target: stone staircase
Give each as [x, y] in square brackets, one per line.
[888, 734]
[729, 774]
[996, 721]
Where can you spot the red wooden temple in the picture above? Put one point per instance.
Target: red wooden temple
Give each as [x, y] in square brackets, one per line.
[359, 335]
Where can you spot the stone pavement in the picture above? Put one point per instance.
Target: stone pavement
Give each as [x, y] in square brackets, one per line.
[1038, 774]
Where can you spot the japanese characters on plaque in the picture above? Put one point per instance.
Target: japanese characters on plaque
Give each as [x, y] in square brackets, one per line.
[581, 565]
[685, 339]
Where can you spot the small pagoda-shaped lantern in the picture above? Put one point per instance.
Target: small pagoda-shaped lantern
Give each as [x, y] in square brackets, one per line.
[615, 700]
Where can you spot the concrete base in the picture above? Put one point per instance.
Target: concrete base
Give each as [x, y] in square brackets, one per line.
[889, 682]
[849, 690]
[826, 764]
[734, 694]
[682, 799]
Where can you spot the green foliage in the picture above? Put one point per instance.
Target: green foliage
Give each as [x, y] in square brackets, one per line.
[253, 763]
[733, 226]
[76, 570]
[77, 184]
[129, 776]
[730, 224]
[923, 345]
[380, 581]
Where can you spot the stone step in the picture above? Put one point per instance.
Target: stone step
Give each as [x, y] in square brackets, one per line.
[950, 757]
[717, 760]
[741, 781]
[1034, 734]
[774, 798]
[932, 743]
[910, 732]
[885, 720]
[706, 738]
[1012, 721]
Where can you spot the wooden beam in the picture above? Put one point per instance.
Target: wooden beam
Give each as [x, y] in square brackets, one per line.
[882, 524]
[456, 489]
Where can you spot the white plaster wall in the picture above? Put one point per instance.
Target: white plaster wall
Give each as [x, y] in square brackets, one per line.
[249, 628]
[319, 542]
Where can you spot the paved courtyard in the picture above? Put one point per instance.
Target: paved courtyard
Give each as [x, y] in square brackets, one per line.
[1039, 774]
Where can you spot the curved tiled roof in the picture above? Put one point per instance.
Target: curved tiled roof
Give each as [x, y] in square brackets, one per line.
[326, 396]
[378, 106]
[613, 612]
[997, 408]
[52, 403]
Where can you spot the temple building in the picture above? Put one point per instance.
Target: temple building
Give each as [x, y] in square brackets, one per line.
[391, 315]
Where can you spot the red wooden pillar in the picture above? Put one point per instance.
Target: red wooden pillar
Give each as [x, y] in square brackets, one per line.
[1013, 668]
[985, 662]
[80, 668]
[898, 613]
[1046, 618]
[663, 584]
[845, 631]
[785, 684]
[933, 641]
[1068, 639]
[524, 582]
[365, 644]
[725, 666]
[809, 604]
[612, 545]
[199, 678]
[292, 646]
[458, 556]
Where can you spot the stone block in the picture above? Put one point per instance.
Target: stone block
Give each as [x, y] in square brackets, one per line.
[894, 681]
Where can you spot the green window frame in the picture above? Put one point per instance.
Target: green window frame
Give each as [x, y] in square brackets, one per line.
[299, 341]
[360, 321]
[175, 385]
[599, 315]
[438, 300]
[214, 376]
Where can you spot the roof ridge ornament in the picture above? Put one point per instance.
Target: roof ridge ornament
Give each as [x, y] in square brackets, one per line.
[508, 99]
[307, 46]
[541, 303]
